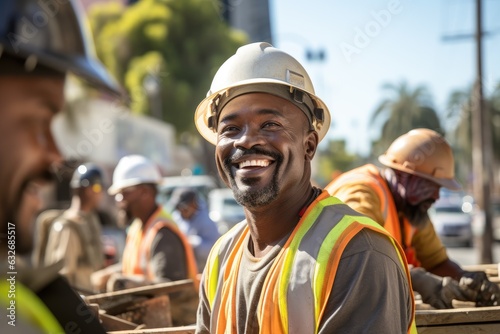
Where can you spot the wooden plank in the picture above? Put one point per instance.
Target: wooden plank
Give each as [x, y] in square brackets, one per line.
[491, 328]
[168, 330]
[112, 323]
[150, 290]
[489, 269]
[119, 305]
[153, 313]
[459, 316]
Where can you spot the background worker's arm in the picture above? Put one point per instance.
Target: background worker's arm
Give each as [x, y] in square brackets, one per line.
[474, 286]
[430, 250]
[168, 256]
[64, 244]
[167, 263]
[363, 199]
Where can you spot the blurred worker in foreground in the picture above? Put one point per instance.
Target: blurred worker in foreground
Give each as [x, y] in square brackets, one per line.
[191, 215]
[155, 250]
[302, 261]
[398, 197]
[74, 235]
[39, 43]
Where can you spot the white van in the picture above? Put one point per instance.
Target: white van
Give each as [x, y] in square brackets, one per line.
[202, 183]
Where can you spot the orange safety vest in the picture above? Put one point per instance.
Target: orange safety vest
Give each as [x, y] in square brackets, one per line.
[282, 296]
[137, 252]
[369, 175]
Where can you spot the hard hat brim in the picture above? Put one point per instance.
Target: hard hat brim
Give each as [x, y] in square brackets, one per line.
[451, 184]
[118, 187]
[86, 68]
[202, 112]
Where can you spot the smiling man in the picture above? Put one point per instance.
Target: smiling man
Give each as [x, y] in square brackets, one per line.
[301, 261]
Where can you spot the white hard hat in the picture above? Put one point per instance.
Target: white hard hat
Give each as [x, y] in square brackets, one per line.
[133, 170]
[260, 67]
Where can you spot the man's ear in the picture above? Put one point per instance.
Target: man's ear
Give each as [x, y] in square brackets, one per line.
[311, 144]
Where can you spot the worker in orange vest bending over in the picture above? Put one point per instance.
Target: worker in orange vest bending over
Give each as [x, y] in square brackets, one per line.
[301, 261]
[398, 197]
[155, 249]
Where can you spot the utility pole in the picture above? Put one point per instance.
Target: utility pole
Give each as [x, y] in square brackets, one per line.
[481, 147]
[482, 157]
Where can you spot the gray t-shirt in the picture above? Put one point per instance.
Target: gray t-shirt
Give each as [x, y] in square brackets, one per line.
[370, 293]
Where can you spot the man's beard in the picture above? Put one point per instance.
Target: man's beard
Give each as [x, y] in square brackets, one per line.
[416, 215]
[251, 197]
[24, 212]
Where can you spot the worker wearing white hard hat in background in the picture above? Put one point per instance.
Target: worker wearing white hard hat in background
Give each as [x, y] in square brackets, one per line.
[301, 261]
[155, 249]
[418, 164]
[40, 42]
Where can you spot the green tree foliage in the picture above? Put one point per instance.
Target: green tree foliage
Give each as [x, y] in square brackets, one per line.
[177, 44]
[333, 160]
[494, 104]
[460, 113]
[404, 109]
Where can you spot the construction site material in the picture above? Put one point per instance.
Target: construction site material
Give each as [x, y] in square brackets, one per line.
[173, 330]
[464, 318]
[170, 308]
[158, 306]
[484, 320]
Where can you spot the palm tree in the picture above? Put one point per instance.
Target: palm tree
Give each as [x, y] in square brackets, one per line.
[460, 112]
[460, 109]
[495, 123]
[403, 110]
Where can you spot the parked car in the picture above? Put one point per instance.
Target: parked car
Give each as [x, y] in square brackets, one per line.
[224, 210]
[202, 183]
[452, 218]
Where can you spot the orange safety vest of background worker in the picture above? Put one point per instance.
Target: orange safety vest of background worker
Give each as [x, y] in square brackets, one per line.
[401, 230]
[137, 253]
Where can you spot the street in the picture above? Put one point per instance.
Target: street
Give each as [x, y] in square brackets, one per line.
[470, 256]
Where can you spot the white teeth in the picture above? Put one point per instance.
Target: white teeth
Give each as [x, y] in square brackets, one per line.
[254, 163]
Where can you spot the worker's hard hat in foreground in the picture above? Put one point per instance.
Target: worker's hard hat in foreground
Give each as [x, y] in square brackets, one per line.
[133, 170]
[261, 68]
[425, 153]
[51, 34]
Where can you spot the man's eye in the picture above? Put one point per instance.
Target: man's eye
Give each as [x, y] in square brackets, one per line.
[270, 125]
[228, 129]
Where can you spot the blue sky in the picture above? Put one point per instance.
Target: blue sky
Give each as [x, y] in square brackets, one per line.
[369, 43]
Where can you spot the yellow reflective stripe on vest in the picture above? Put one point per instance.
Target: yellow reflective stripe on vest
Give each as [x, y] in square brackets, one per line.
[288, 294]
[30, 308]
[319, 275]
[322, 258]
[212, 272]
[400, 252]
